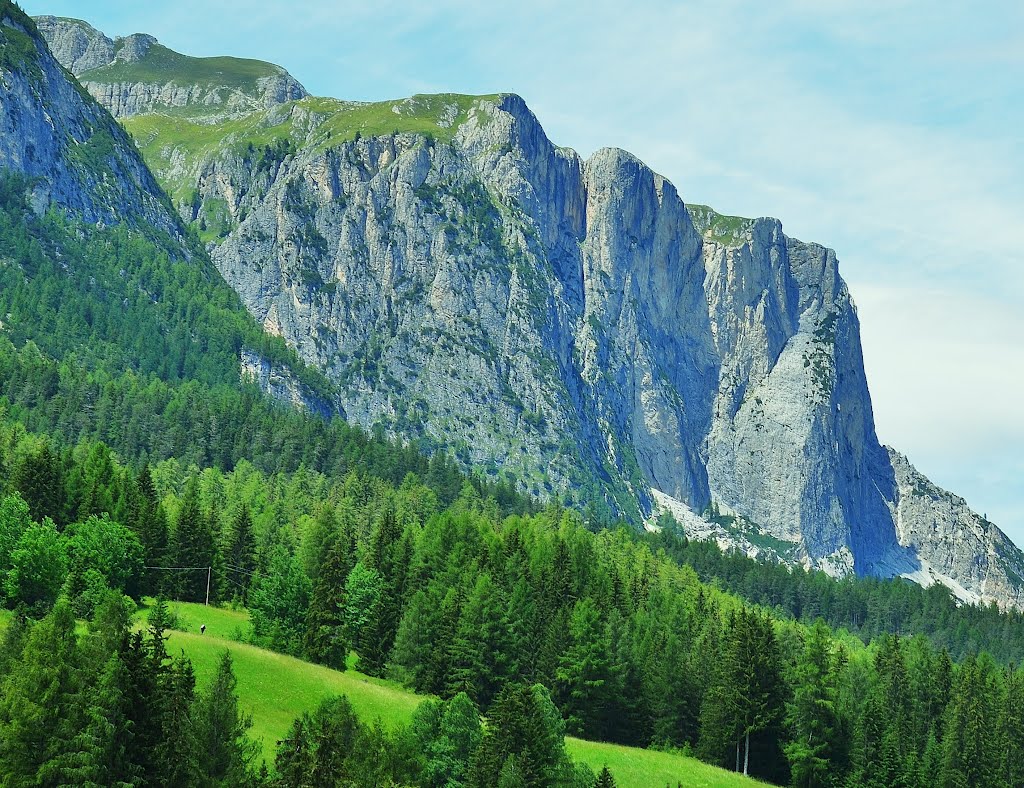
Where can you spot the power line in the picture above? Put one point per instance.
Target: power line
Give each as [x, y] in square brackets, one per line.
[209, 574]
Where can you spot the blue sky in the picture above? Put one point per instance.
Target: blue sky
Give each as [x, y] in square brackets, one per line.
[891, 131]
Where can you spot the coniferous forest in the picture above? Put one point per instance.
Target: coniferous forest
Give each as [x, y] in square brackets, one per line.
[520, 614]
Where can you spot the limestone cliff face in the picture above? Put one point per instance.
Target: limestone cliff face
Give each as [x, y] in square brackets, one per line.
[135, 74]
[67, 146]
[571, 323]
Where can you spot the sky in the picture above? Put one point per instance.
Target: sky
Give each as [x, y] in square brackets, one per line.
[889, 130]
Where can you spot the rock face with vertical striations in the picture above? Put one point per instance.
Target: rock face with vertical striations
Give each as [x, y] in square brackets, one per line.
[570, 323]
[66, 145]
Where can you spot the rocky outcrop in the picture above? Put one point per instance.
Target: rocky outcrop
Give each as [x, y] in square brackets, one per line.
[955, 546]
[66, 145]
[72, 156]
[574, 325]
[220, 87]
[281, 383]
[78, 46]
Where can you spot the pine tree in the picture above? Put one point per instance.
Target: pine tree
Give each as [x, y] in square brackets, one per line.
[150, 522]
[226, 754]
[447, 734]
[177, 755]
[240, 555]
[746, 698]
[970, 757]
[1011, 726]
[40, 708]
[278, 602]
[193, 547]
[38, 477]
[812, 714]
[325, 639]
[479, 653]
[103, 752]
[584, 679]
[294, 752]
[524, 741]
[605, 779]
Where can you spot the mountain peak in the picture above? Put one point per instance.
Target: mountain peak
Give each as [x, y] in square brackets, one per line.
[136, 74]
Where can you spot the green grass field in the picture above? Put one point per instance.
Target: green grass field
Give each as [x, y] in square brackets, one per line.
[275, 689]
[161, 65]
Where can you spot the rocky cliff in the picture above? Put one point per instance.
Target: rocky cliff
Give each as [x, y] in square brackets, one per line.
[136, 74]
[570, 323]
[68, 147]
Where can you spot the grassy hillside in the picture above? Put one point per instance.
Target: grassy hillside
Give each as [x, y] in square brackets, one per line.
[162, 65]
[275, 689]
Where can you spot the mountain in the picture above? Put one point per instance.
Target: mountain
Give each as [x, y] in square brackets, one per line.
[98, 269]
[135, 74]
[571, 324]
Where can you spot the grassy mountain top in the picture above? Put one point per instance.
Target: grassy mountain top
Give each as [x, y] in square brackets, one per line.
[176, 143]
[275, 689]
[717, 227]
[163, 65]
[438, 115]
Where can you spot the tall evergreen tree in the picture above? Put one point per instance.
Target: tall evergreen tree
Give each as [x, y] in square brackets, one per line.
[747, 697]
[40, 708]
[193, 547]
[584, 680]
[38, 477]
[812, 715]
[479, 653]
[240, 553]
[226, 755]
[1011, 729]
[447, 734]
[326, 640]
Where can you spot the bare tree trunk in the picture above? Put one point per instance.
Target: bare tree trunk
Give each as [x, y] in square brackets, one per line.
[737, 755]
[746, 755]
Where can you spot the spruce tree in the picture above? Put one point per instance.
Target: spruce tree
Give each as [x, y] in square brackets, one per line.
[177, 755]
[240, 554]
[325, 638]
[605, 779]
[479, 653]
[38, 477]
[40, 707]
[1011, 729]
[811, 715]
[584, 679]
[193, 547]
[226, 754]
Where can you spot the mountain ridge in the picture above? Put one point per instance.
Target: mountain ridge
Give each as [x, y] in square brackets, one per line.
[470, 285]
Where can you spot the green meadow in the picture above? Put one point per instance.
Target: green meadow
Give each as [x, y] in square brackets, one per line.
[275, 689]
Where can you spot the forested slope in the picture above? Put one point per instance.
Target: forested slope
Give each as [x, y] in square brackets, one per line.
[471, 597]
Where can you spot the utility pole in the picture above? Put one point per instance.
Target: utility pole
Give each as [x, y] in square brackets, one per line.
[209, 571]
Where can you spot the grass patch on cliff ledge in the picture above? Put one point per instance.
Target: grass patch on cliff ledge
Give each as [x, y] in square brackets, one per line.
[175, 143]
[161, 65]
[438, 116]
[714, 226]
